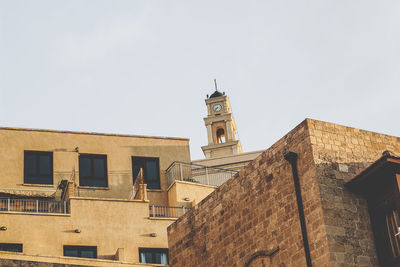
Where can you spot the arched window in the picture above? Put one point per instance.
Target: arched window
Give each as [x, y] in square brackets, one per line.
[220, 135]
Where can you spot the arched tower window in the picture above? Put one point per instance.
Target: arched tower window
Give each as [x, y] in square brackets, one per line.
[220, 136]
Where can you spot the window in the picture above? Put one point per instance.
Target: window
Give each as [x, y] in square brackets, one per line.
[392, 226]
[385, 223]
[10, 247]
[38, 167]
[93, 170]
[151, 171]
[154, 255]
[81, 251]
[220, 136]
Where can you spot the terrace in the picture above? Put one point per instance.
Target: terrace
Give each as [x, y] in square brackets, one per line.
[187, 172]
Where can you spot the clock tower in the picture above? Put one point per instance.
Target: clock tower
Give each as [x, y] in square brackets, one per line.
[221, 128]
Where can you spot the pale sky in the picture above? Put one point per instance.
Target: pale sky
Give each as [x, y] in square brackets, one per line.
[145, 67]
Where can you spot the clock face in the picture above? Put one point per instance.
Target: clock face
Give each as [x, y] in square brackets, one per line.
[217, 107]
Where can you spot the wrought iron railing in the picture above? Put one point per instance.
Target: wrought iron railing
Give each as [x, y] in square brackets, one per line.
[33, 205]
[167, 212]
[198, 174]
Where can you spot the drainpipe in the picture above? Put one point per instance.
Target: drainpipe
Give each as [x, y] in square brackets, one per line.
[291, 157]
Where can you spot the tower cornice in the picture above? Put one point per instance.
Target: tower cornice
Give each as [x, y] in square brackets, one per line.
[222, 117]
[216, 99]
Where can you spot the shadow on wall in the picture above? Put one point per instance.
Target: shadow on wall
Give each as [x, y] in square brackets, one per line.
[261, 258]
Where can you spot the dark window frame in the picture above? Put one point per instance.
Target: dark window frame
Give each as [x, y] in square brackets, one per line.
[38, 154]
[143, 160]
[11, 247]
[392, 232]
[79, 250]
[153, 251]
[92, 177]
[388, 252]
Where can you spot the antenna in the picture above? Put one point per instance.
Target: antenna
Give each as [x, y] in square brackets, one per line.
[215, 82]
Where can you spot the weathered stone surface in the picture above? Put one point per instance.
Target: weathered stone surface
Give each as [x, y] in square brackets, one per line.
[257, 210]
[342, 209]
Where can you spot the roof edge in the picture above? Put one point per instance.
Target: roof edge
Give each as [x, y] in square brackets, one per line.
[231, 156]
[311, 120]
[91, 133]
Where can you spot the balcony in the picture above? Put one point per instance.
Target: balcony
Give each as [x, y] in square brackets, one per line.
[193, 173]
[33, 206]
[167, 212]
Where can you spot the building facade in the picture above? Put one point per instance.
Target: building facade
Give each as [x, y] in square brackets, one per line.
[323, 195]
[69, 197]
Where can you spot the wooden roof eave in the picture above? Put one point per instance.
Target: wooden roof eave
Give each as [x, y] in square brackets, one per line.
[363, 181]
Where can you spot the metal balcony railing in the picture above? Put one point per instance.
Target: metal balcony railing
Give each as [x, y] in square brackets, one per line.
[167, 212]
[35, 206]
[198, 174]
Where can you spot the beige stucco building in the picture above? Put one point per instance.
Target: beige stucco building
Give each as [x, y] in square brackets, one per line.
[69, 195]
[72, 193]
[99, 199]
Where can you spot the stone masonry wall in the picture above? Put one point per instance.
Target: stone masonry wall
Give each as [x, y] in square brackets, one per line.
[340, 153]
[255, 213]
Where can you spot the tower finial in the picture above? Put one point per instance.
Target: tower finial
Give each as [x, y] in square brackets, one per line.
[215, 82]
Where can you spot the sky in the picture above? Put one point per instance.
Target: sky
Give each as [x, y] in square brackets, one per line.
[145, 67]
